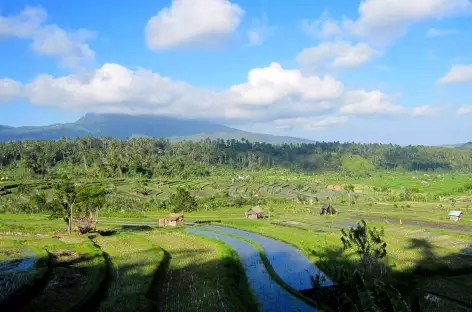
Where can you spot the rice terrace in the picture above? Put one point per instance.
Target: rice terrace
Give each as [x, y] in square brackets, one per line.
[152, 225]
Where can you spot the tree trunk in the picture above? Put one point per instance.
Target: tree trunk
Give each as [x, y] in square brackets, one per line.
[69, 226]
[85, 162]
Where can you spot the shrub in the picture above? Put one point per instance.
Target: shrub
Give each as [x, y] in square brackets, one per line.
[182, 200]
[367, 242]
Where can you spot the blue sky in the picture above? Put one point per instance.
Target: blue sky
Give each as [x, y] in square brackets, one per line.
[366, 71]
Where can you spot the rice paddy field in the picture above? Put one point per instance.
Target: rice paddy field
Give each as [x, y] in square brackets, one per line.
[130, 264]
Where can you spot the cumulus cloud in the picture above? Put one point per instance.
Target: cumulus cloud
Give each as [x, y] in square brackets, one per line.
[385, 20]
[187, 22]
[464, 110]
[24, 24]
[435, 32]
[457, 74]
[269, 93]
[338, 54]
[423, 111]
[259, 30]
[71, 48]
[382, 21]
[360, 102]
[274, 84]
[323, 27]
[9, 89]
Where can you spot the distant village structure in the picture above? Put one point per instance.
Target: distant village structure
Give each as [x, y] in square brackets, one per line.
[455, 215]
[334, 187]
[174, 219]
[328, 209]
[255, 212]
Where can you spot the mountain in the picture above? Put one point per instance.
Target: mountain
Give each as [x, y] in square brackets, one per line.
[466, 145]
[124, 126]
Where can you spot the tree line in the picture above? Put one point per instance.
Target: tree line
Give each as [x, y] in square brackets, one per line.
[109, 157]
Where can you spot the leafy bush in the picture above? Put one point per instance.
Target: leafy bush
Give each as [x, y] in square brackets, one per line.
[182, 200]
[368, 243]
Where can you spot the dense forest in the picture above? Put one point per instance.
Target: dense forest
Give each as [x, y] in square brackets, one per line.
[107, 157]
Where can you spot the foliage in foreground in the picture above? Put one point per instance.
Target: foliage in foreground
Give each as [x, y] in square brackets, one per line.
[366, 288]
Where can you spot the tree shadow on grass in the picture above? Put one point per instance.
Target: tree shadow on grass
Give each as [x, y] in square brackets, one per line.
[440, 282]
[136, 228]
[215, 285]
[61, 286]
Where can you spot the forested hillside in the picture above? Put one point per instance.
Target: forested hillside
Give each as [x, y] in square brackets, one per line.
[156, 157]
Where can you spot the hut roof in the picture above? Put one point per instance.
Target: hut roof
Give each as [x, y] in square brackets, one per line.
[455, 213]
[256, 209]
[174, 216]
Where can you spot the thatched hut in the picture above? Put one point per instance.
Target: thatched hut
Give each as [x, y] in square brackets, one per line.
[255, 212]
[328, 209]
[174, 219]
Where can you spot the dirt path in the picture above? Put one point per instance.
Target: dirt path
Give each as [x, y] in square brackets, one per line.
[271, 296]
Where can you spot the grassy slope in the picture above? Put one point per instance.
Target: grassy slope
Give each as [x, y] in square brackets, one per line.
[134, 261]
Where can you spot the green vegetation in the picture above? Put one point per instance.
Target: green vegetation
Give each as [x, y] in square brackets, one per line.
[126, 186]
[202, 275]
[134, 261]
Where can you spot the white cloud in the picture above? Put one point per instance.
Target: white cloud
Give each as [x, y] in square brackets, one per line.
[423, 111]
[23, 25]
[187, 22]
[385, 20]
[457, 74]
[339, 54]
[360, 102]
[270, 93]
[71, 48]
[435, 32]
[316, 123]
[464, 110]
[9, 89]
[259, 30]
[323, 27]
[274, 84]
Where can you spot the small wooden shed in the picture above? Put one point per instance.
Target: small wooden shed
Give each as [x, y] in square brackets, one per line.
[455, 215]
[328, 209]
[174, 219]
[255, 212]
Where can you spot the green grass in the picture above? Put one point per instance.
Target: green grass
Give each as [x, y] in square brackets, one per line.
[202, 275]
[408, 245]
[411, 250]
[134, 260]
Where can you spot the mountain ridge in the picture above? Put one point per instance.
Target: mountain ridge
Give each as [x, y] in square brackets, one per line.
[125, 126]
